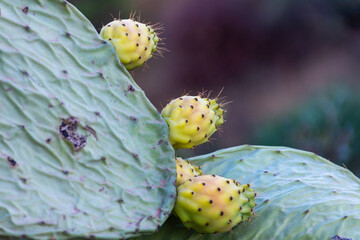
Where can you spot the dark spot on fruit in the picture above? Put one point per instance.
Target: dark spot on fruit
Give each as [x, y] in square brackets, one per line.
[218, 189]
[181, 175]
[11, 161]
[186, 121]
[137, 25]
[221, 213]
[25, 10]
[149, 38]
[180, 106]
[139, 57]
[239, 192]
[139, 34]
[206, 135]
[240, 208]
[213, 175]
[190, 180]
[202, 115]
[211, 201]
[198, 128]
[199, 209]
[126, 34]
[211, 121]
[192, 170]
[192, 107]
[248, 185]
[230, 221]
[208, 106]
[181, 98]
[137, 44]
[180, 165]
[190, 141]
[231, 198]
[109, 39]
[192, 193]
[207, 224]
[203, 184]
[196, 99]
[227, 181]
[123, 24]
[248, 199]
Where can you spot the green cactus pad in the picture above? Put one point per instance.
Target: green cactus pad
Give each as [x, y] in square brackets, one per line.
[83, 153]
[300, 196]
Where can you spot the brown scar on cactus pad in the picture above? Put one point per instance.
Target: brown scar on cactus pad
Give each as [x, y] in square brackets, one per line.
[68, 131]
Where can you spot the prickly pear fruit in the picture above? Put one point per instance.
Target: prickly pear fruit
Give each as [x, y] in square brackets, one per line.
[185, 170]
[192, 120]
[213, 204]
[134, 42]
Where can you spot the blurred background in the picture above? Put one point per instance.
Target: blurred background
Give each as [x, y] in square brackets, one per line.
[291, 69]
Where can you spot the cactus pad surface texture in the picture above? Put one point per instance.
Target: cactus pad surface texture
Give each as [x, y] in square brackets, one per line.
[300, 196]
[83, 153]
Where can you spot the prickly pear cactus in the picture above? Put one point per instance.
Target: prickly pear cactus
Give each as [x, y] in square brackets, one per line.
[83, 153]
[133, 41]
[185, 170]
[213, 204]
[192, 120]
[300, 195]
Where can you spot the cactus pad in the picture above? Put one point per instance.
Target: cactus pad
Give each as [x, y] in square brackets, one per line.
[83, 153]
[300, 196]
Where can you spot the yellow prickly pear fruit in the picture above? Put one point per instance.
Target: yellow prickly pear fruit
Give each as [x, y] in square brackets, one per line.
[185, 170]
[213, 204]
[134, 42]
[192, 120]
